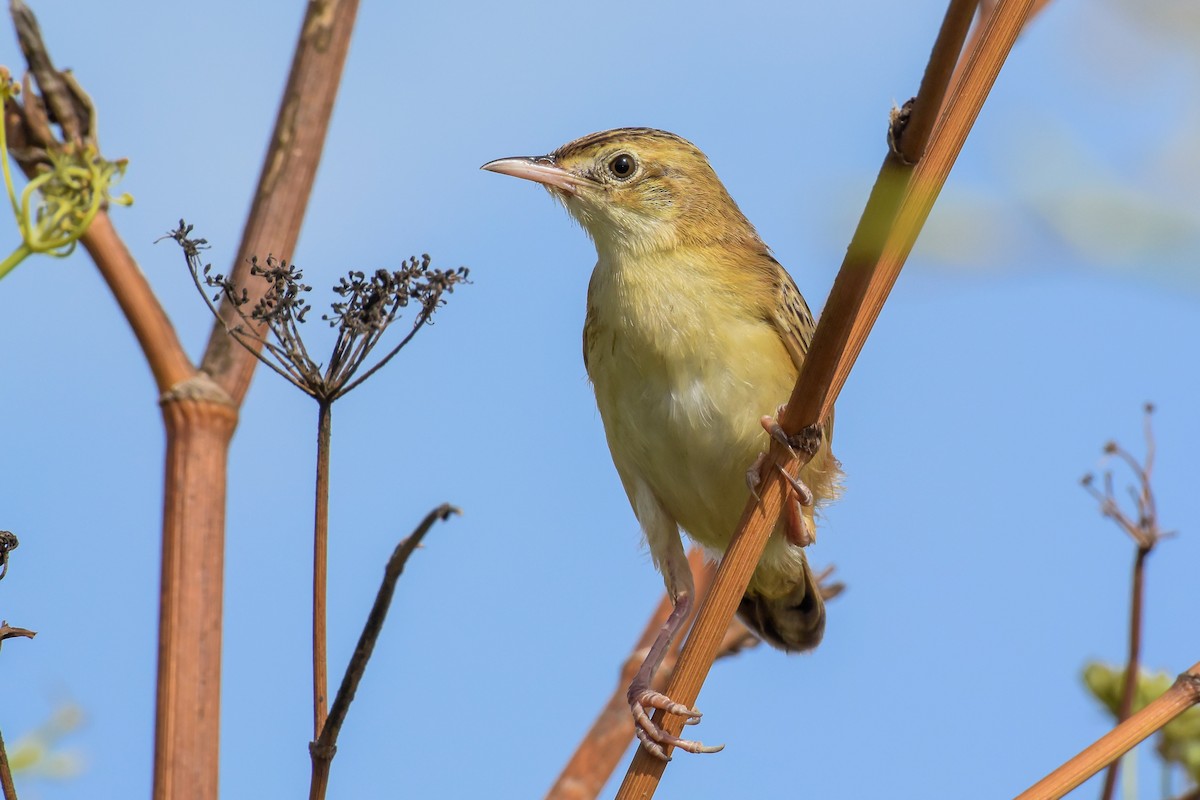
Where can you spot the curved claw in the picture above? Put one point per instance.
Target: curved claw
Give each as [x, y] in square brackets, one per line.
[653, 737]
[804, 495]
[753, 476]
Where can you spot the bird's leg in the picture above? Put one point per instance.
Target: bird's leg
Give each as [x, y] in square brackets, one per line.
[642, 697]
[798, 527]
[662, 534]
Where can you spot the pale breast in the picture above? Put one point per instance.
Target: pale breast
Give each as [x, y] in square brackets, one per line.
[681, 383]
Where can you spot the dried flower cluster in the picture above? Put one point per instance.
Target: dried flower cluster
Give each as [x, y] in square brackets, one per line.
[1143, 526]
[270, 326]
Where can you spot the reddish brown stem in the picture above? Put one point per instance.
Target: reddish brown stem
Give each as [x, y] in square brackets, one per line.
[6, 780]
[187, 735]
[132, 291]
[320, 571]
[1182, 695]
[1129, 691]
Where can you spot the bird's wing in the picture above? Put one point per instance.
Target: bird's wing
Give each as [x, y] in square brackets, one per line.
[790, 314]
[591, 327]
[793, 320]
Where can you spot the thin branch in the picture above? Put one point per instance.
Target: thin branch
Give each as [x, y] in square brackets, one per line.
[6, 780]
[321, 569]
[934, 83]
[163, 351]
[899, 205]
[1132, 665]
[1145, 534]
[72, 110]
[9, 632]
[1182, 695]
[324, 748]
[986, 7]
[155, 333]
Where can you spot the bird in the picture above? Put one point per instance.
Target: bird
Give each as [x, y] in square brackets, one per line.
[693, 337]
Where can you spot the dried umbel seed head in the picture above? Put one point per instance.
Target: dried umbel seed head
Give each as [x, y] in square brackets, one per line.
[370, 302]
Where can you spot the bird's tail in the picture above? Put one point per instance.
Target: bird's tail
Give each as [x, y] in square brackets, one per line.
[792, 619]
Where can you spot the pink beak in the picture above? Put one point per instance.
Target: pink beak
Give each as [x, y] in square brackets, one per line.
[540, 169]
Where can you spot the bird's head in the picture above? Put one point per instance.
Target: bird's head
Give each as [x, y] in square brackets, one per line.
[636, 190]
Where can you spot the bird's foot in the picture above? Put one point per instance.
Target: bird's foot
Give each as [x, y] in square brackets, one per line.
[803, 494]
[807, 441]
[754, 475]
[798, 528]
[654, 738]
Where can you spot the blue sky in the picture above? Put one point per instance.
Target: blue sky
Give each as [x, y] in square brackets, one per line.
[1055, 292]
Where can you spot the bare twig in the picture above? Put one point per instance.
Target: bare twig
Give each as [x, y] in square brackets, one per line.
[899, 205]
[323, 749]
[1182, 695]
[9, 632]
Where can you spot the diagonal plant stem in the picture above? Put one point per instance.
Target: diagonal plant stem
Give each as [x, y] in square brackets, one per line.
[1182, 695]
[324, 747]
[603, 745]
[598, 754]
[6, 780]
[873, 261]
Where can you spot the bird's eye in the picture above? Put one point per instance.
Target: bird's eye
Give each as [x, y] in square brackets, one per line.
[622, 166]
